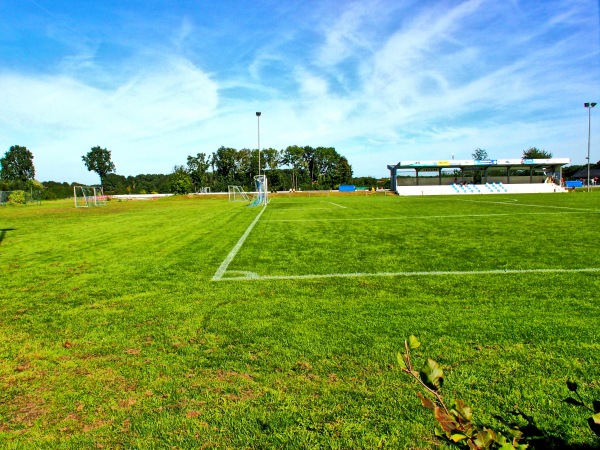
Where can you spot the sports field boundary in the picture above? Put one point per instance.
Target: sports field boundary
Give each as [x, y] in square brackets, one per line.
[251, 276]
[223, 267]
[223, 274]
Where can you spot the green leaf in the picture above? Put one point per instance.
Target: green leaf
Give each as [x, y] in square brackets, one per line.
[432, 374]
[507, 446]
[572, 386]
[413, 342]
[457, 437]
[501, 439]
[401, 362]
[463, 410]
[515, 433]
[484, 439]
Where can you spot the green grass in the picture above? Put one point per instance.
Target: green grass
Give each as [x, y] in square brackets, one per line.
[112, 333]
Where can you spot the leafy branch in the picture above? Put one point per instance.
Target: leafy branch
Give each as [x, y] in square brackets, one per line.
[454, 423]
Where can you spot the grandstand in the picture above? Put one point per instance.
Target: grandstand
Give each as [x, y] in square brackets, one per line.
[469, 177]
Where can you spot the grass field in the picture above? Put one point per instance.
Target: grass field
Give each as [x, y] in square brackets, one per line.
[199, 323]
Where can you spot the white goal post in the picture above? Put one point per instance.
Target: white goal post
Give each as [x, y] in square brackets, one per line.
[237, 194]
[86, 196]
[261, 195]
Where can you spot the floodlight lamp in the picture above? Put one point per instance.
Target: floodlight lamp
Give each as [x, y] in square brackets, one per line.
[589, 105]
[257, 114]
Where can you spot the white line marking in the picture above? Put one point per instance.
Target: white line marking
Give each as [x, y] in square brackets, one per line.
[254, 276]
[513, 203]
[304, 209]
[276, 202]
[308, 209]
[456, 216]
[223, 267]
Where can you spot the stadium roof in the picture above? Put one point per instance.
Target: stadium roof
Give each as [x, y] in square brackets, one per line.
[480, 164]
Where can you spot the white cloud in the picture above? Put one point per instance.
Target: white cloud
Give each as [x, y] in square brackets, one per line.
[311, 85]
[348, 34]
[65, 117]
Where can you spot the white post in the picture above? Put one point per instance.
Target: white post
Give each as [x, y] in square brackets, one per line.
[589, 107]
[258, 121]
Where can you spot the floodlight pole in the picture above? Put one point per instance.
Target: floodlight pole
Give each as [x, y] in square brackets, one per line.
[258, 120]
[589, 107]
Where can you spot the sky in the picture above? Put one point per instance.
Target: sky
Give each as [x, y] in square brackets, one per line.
[382, 81]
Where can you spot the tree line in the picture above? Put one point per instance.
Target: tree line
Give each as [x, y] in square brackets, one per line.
[295, 167]
[298, 168]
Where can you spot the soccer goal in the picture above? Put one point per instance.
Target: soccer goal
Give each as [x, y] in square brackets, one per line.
[86, 196]
[261, 192]
[237, 194]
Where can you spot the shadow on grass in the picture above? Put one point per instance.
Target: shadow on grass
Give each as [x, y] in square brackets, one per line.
[540, 439]
[3, 233]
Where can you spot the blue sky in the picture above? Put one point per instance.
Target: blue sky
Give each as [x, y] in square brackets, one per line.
[381, 81]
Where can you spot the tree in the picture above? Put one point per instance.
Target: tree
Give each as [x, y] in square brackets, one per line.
[224, 160]
[197, 167]
[181, 183]
[53, 190]
[17, 164]
[342, 173]
[271, 158]
[115, 184]
[243, 166]
[536, 153]
[98, 160]
[480, 154]
[321, 165]
[293, 157]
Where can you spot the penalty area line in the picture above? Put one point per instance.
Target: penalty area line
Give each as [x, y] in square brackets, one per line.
[223, 267]
[513, 202]
[255, 277]
[452, 216]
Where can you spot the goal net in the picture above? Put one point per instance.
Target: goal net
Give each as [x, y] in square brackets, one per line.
[237, 194]
[260, 194]
[86, 196]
